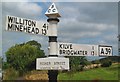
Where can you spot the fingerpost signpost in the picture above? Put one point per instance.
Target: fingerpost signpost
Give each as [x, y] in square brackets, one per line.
[52, 14]
[57, 50]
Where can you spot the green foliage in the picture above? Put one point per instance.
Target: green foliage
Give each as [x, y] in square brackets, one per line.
[78, 63]
[112, 58]
[83, 62]
[22, 57]
[106, 63]
[99, 74]
[34, 43]
[5, 65]
[74, 63]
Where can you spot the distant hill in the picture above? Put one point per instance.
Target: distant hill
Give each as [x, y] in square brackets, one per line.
[112, 58]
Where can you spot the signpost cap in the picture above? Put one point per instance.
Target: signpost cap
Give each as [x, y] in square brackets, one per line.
[52, 11]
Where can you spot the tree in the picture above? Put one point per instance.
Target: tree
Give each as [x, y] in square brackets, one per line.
[83, 62]
[34, 43]
[106, 63]
[22, 57]
[74, 63]
[78, 63]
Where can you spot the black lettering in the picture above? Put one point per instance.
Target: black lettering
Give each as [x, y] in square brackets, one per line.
[26, 23]
[66, 46]
[85, 52]
[29, 22]
[106, 51]
[63, 52]
[60, 46]
[10, 19]
[53, 10]
[71, 46]
[109, 50]
[20, 21]
[68, 52]
[21, 28]
[45, 63]
[44, 26]
[60, 63]
[33, 30]
[37, 31]
[75, 53]
[52, 6]
[17, 21]
[16, 27]
[25, 29]
[60, 51]
[71, 52]
[29, 29]
[102, 51]
[33, 24]
[44, 32]
[10, 27]
[49, 10]
[92, 52]
[78, 52]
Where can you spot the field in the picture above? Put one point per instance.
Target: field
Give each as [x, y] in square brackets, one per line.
[101, 73]
[108, 73]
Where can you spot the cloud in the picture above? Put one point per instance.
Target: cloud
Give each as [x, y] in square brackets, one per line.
[83, 29]
[43, 40]
[0, 30]
[94, 0]
[92, 23]
[22, 9]
[82, 23]
[60, 0]
[14, 0]
[90, 12]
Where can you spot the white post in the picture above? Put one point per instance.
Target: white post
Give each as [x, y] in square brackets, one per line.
[53, 36]
[52, 15]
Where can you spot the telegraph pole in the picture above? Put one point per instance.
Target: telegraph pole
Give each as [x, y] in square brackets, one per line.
[52, 15]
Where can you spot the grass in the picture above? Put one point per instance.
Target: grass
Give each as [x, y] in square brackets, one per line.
[36, 75]
[108, 73]
[10, 74]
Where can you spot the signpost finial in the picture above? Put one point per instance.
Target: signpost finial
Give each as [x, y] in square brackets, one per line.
[52, 11]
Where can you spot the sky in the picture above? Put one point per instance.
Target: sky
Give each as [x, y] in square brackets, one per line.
[88, 22]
